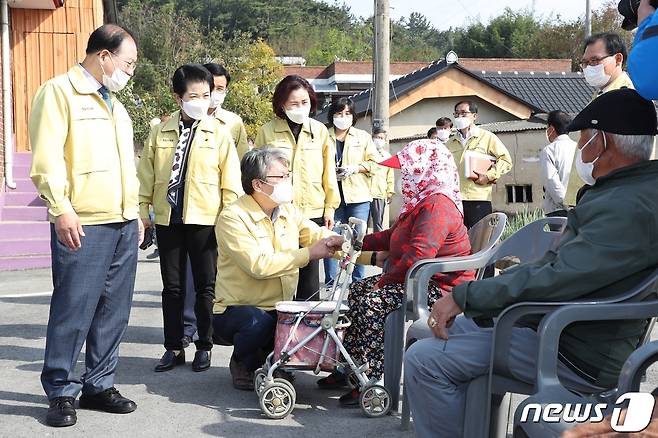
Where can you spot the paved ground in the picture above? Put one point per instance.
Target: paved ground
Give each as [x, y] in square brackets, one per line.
[179, 402]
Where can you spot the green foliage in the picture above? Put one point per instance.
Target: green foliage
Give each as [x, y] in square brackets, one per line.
[245, 35]
[520, 220]
[168, 38]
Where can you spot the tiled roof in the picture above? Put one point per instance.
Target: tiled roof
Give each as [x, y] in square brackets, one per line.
[513, 126]
[541, 92]
[407, 83]
[495, 127]
[549, 91]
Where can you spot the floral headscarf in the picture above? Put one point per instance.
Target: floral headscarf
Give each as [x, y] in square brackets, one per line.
[427, 168]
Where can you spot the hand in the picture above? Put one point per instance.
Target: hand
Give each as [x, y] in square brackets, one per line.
[389, 199]
[146, 222]
[69, 230]
[443, 314]
[482, 180]
[140, 232]
[335, 242]
[351, 170]
[381, 258]
[329, 222]
[324, 248]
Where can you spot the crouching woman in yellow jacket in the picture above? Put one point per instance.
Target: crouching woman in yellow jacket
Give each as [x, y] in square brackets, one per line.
[189, 171]
[263, 242]
[311, 153]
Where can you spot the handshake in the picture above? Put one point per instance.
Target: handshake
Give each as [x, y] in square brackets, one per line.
[344, 172]
[325, 248]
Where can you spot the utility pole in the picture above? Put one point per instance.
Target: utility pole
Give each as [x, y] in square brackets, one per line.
[588, 19]
[381, 60]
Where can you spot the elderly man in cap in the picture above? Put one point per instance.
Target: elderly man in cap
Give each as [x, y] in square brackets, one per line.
[606, 247]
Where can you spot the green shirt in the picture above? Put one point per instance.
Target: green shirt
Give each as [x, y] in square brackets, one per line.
[610, 245]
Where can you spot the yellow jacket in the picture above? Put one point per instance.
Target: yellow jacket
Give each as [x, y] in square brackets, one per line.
[235, 125]
[382, 182]
[83, 158]
[213, 172]
[259, 260]
[575, 181]
[358, 150]
[313, 162]
[487, 143]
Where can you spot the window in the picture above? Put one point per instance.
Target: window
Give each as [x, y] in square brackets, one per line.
[519, 194]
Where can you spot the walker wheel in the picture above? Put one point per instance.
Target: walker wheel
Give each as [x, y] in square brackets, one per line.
[375, 401]
[277, 399]
[259, 380]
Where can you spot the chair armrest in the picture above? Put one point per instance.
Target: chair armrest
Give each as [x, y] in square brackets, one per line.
[505, 322]
[420, 280]
[552, 326]
[635, 366]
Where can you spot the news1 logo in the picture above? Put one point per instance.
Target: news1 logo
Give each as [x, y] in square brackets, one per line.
[636, 419]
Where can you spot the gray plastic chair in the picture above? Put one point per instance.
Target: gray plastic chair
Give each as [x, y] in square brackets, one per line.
[528, 244]
[549, 389]
[483, 236]
[490, 394]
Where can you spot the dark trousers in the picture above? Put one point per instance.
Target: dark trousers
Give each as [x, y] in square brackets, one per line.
[250, 329]
[189, 317]
[474, 211]
[377, 214]
[176, 243]
[309, 276]
[92, 294]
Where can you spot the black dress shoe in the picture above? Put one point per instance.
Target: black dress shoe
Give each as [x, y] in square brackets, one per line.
[201, 360]
[170, 360]
[61, 412]
[109, 400]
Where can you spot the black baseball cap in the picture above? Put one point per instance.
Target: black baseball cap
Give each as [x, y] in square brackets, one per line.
[628, 10]
[621, 111]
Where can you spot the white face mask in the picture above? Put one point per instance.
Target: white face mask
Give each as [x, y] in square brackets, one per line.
[282, 193]
[583, 169]
[344, 122]
[299, 114]
[595, 76]
[379, 143]
[462, 122]
[117, 81]
[548, 138]
[196, 109]
[443, 135]
[217, 99]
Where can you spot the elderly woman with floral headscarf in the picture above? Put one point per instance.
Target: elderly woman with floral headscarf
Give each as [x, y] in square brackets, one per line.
[430, 225]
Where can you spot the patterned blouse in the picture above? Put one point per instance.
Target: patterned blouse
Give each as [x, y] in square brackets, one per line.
[433, 228]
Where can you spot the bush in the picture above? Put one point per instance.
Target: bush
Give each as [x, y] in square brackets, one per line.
[519, 220]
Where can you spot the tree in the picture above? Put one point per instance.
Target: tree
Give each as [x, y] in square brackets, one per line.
[167, 39]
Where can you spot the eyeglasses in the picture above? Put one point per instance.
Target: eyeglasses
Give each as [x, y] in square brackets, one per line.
[461, 113]
[132, 65]
[286, 176]
[593, 61]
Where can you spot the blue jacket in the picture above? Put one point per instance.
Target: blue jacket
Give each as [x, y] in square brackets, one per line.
[643, 60]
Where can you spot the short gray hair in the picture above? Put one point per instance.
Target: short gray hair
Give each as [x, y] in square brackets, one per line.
[256, 164]
[637, 147]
